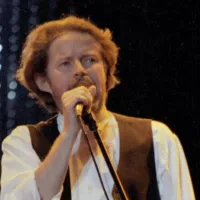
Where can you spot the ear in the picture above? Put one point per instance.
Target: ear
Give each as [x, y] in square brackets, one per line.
[42, 83]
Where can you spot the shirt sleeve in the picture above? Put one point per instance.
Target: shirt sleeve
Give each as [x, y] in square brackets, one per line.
[19, 162]
[174, 181]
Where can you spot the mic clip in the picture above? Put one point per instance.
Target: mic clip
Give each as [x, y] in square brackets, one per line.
[88, 120]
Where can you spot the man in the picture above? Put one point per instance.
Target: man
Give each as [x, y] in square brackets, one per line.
[64, 63]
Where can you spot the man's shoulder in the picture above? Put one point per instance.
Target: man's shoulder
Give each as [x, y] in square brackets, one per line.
[157, 126]
[131, 119]
[162, 133]
[18, 134]
[48, 123]
[139, 128]
[23, 131]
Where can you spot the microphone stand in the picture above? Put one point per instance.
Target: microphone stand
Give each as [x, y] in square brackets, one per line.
[88, 119]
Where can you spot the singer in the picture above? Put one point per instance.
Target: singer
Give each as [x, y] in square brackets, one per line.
[70, 62]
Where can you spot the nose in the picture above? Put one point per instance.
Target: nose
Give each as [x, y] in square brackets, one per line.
[79, 71]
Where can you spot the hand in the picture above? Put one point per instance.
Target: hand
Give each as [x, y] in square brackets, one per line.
[69, 100]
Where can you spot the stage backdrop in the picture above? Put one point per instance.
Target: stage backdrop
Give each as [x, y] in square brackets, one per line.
[159, 55]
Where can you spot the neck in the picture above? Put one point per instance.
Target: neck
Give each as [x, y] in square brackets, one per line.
[101, 115]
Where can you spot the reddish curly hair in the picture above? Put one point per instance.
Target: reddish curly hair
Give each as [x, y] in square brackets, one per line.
[34, 55]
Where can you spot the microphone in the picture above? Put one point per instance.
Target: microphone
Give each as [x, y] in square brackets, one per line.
[79, 109]
[86, 118]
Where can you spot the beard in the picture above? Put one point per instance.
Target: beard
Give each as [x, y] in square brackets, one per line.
[100, 96]
[98, 100]
[84, 81]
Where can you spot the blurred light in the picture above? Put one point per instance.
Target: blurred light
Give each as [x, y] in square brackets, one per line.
[13, 85]
[10, 76]
[11, 95]
[0, 67]
[14, 47]
[10, 123]
[33, 20]
[15, 28]
[34, 8]
[15, 10]
[1, 28]
[13, 20]
[15, 2]
[1, 47]
[13, 66]
[11, 113]
[12, 58]
[12, 39]
[16, 16]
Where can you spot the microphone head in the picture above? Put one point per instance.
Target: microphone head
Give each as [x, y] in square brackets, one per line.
[79, 109]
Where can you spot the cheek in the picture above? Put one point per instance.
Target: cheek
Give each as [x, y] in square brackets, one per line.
[58, 90]
[99, 78]
[60, 83]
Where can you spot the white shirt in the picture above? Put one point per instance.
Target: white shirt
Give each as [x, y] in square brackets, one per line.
[20, 161]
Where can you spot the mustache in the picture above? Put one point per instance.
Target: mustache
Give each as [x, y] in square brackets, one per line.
[84, 81]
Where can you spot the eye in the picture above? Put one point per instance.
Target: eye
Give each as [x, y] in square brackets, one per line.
[88, 61]
[65, 64]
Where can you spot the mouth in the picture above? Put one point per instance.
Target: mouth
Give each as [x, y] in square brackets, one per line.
[87, 82]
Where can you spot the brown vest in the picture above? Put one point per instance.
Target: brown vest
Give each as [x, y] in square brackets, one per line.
[136, 168]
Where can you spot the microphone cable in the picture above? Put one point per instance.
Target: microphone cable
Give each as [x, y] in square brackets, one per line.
[93, 158]
[88, 119]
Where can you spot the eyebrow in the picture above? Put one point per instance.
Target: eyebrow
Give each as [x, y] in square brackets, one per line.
[90, 54]
[84, 55]
[63, 58]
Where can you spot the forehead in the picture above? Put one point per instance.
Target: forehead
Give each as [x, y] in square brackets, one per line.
[75, 42]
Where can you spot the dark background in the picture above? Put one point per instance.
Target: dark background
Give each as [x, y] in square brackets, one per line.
[159, 55]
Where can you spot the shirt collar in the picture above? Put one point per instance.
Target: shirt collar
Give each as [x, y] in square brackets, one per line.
[109, 116]
[109, 140]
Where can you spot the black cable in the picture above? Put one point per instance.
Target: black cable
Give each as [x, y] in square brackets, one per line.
[88, 119]
[93, 158]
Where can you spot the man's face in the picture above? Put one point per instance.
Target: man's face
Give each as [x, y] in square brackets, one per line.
[70, 54]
